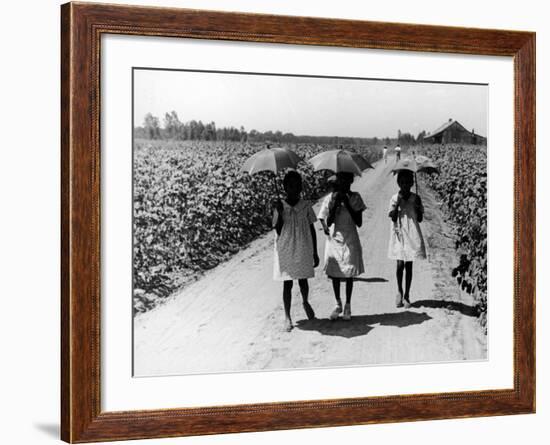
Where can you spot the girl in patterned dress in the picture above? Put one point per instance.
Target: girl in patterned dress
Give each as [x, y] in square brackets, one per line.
[340, 215]
[406, 241]
[295, 253]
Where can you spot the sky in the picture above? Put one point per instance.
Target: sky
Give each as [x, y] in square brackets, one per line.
[309, 105]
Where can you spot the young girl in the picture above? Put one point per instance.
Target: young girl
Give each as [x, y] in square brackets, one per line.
[340, 215]
[295, 254]
[406, 240]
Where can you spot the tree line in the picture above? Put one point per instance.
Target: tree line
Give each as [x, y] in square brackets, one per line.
[174, 129]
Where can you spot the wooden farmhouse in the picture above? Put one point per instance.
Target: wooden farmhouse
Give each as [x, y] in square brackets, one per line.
[454, 132]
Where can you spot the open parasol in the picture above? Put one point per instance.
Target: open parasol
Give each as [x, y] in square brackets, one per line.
[425, 165]
[272, 159]
[420, 164]
[340, 161]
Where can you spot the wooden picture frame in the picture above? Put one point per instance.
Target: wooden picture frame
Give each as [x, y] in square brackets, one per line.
[82, 26]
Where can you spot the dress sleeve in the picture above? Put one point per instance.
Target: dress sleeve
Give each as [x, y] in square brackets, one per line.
[393, 203]
[356, 202]
[323, 211]
[311, 218]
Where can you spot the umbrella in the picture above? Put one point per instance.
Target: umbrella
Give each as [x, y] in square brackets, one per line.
[340, 161]
[420, 164]
[405, 164]
[273, 159]
[426, 165]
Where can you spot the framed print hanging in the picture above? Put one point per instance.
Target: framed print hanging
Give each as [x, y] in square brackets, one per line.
[274, 222]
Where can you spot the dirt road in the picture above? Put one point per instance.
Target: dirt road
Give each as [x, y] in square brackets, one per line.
[232, 318]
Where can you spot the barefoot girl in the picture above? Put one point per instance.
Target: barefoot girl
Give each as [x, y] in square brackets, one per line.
[340, 215]
[295, 253]
[406, 241]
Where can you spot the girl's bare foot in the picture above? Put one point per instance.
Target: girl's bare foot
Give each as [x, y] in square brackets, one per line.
[309, 310]
[347, 312]
[336, 312]
[399, 300]
[288, 325]
[406, 302]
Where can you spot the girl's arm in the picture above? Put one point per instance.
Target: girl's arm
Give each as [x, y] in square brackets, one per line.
[314, 238]
[394, 210]
[324, 226]
[278, 207]
[356, 215]
[394, 215]
[333, 206]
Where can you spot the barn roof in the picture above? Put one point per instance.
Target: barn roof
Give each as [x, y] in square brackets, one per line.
[443, 128]
[446, 125]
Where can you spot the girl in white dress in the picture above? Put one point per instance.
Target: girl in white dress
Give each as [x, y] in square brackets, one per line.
[406, 241]
[295, 252]
[340, 215]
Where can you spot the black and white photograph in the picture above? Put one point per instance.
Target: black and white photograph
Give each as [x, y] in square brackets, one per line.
[285, 221]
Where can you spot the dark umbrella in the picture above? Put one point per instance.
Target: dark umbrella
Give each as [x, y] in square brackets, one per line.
[340, 161]
[273, 159]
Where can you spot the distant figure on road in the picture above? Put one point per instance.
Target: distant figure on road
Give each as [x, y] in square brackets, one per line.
[385, 154]
[397, 153]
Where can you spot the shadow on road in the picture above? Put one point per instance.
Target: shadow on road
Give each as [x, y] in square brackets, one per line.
[362, 324]
[371, 280]
[471, 311]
